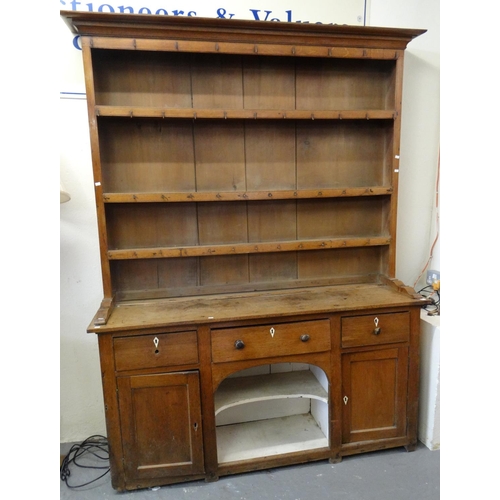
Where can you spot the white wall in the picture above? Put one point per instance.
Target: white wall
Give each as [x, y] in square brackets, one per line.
[81, 408]
[81, 400]
[419, 131]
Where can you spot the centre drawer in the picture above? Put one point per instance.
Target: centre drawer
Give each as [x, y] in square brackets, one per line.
[264, 341]
[374, 329]
[152, 351]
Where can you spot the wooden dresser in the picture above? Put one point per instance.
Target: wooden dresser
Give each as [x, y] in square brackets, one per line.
[246, 179]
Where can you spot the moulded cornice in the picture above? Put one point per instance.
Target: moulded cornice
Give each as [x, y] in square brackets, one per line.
[94, 24]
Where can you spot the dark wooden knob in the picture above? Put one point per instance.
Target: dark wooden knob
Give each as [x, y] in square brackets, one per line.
[304, 338]
[239, 344]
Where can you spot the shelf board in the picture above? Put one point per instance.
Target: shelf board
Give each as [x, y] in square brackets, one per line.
[246, 248]
[189, 291]
[299, 194]
[245, 114]
[266, 438]
[242, 390]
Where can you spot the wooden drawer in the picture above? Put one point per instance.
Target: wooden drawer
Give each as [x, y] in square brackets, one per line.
[375, 329]
[151, 351]
[282, 339]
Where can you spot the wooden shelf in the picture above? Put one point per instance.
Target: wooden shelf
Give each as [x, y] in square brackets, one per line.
[246, 195]
[250, 287]
[246, 248]
[228, 307]
[302, 145]
[243, 390]
[250, 114]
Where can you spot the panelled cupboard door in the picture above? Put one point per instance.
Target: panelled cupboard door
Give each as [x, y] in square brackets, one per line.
[374, 394]
[161, 424]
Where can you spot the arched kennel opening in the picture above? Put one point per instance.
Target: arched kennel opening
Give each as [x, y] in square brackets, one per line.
[270, 410]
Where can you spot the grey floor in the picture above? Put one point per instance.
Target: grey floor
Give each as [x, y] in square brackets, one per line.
[383, 475]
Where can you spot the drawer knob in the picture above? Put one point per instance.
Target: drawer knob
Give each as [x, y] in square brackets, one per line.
[304, 338]
[376, 330]
[239, 344]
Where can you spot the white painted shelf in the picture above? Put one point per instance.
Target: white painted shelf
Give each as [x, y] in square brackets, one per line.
[242, 390]
[266, 438]
[258, 430]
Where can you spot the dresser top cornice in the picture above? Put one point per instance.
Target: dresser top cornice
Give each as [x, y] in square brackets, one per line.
[234, 30]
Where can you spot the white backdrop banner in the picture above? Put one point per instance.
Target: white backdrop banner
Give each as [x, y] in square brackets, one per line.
[350, 12]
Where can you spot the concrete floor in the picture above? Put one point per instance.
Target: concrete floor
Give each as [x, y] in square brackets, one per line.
[383, 475]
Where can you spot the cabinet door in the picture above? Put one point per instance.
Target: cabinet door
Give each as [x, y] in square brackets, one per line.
[374, 394]
[161, 424]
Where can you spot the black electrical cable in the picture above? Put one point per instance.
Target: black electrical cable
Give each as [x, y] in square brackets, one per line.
[429, 292]
[97, 446]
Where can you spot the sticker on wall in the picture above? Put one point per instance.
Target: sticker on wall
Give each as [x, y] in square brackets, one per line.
[292, 11]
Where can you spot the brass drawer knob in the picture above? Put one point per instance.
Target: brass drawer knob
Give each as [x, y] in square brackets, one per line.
[304, 338]
[239, 344]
